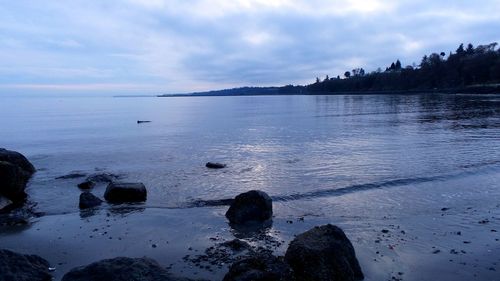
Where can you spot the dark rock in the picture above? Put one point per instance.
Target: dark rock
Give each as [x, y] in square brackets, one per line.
[253, 205]
[18, 267]
[86, 185]
[260, 267]
[15, 171]
[89, 200]
[125, 192]
[12, 182]
[323, 253]
[71, 176]
[143, 121]
[121, 269]
[19, 160]
[214, 165]
[102, 177]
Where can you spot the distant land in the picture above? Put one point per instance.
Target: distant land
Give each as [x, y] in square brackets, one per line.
[467, 70]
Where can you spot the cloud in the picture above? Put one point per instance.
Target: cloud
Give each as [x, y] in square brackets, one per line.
[182, 46]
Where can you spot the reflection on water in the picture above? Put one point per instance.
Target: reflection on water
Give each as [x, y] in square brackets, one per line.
[288, 146]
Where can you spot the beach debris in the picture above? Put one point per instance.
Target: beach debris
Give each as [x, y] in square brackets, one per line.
[19, 267]
[254, 205]
[121, 269]
[143, 121]
[236, 245]
[260, 266]
[215, 165]
[89, 200]
[125, 192]
[321, 253]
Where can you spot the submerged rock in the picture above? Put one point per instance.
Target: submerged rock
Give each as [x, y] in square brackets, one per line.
[19, 160]
[71, 176]
[18, 267]
[323, 253]
[260, 267]
[102, 177]
[254, 205]
[121, 269]
[125, 192]
[89, 200]
[214, 165]
[86, 185]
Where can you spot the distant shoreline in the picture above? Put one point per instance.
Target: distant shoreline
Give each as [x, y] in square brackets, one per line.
[489, 89]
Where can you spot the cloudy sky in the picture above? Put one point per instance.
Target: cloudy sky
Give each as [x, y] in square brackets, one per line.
[172, 46]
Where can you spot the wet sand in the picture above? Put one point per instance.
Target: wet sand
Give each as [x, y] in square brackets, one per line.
[440, 230]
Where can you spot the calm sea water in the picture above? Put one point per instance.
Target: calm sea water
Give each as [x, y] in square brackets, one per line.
[293, 147]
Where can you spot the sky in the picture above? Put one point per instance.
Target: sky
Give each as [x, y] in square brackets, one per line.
[179, 46]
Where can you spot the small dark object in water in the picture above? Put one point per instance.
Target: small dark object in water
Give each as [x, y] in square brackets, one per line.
[143, 121]
[86, 185]
[444, 209]
[215, 165]
[89, 200]
[125, 192]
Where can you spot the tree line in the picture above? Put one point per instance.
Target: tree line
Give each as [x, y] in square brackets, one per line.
[467, 67]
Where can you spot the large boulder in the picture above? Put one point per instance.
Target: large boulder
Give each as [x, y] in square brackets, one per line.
[121, 269]
[12, 181]
[89, 200]
[125, 192]
[19, 160]
[323, 253]
[15, 171]
[18, 267]
[260, 267]
[254, 205]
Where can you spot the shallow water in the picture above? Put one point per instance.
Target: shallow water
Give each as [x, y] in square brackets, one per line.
[292, 147]
[363, 162]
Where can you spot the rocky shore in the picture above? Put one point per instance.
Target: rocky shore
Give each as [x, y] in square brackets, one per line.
[410, 232]
[322, 253]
